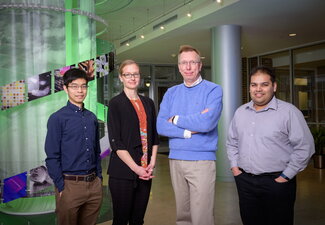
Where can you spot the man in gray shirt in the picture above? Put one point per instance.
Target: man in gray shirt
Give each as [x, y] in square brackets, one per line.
[268, 143]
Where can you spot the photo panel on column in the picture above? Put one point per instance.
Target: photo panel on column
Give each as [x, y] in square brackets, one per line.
[12, 94]
[39, 86]
[39, 182]
[15, 187]
[89, 67]
[58, 77]
[102, 66]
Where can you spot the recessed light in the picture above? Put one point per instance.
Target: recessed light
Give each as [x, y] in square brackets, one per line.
[173, 55]
[127, 44]
[189, 15]
[292, 34]
[142, 36]
[202, 57]
[162, 27]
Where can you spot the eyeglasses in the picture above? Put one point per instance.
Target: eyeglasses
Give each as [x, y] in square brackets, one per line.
[76, 86]
[186, 63]
[129, 75]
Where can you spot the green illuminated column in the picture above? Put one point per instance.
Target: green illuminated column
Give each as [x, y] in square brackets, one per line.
[37, 39]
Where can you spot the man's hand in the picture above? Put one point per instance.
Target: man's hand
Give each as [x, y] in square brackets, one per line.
[192, 132]
[205, 111]
[280, 180]
[236, 171]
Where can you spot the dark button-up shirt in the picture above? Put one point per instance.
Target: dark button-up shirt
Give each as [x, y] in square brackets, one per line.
[72, 144]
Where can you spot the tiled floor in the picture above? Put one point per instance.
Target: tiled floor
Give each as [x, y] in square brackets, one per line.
[309, 210]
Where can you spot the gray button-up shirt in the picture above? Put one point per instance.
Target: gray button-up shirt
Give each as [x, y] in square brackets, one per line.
[275, 138]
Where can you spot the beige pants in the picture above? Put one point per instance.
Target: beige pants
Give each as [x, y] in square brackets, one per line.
[79, 203]
[194, 187]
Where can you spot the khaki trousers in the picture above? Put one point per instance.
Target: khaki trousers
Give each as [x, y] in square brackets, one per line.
[194, 187]
[79, 203]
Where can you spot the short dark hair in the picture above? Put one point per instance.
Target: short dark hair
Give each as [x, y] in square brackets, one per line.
[263, 69]
[74, 74]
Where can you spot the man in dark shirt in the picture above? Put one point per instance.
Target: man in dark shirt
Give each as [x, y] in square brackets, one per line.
[73, 155]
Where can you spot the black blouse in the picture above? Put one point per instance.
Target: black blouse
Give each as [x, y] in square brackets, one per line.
[124, 133]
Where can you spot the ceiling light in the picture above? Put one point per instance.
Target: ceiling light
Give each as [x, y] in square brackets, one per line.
[147, 84]
[219, 1]
[202, 57]
[173, 55]
[127, 44]
[162, 27]
[292, 34]
[142, 36]
[189, 15]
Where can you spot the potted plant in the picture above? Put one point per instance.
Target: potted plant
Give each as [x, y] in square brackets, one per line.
[319, 139]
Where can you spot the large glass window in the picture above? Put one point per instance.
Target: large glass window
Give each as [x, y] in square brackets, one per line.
[145, 82]
[281, 63]
[300, 75]
[309, 82]
[164, 72]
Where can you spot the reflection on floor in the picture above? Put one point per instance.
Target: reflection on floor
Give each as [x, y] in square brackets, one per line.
[50, 218]
[309, 210]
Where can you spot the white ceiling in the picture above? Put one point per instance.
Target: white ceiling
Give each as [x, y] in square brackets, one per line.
[265, 26]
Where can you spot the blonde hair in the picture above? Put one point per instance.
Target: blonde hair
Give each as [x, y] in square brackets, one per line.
[126, 63]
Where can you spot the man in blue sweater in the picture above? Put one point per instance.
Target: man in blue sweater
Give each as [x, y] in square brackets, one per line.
[189, 115]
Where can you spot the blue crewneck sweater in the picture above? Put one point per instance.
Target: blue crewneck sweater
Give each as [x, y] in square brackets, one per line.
[188, 103]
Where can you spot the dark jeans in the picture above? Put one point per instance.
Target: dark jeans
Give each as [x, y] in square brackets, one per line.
[130, 200]
[263, 201]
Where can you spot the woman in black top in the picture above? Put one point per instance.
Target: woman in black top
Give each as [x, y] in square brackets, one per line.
[134, 142]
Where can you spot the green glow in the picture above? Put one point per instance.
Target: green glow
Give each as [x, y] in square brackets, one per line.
[102, 112]
[68, 34]
[29, 205]
[37, 42]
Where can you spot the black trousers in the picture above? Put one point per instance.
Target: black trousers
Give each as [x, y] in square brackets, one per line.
[130, 200]
[263, 201]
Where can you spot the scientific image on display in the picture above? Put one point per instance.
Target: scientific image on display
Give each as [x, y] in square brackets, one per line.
[12, 94]
[40, 183]
[39, 86]
[102, 65]
[58, 77]
[89, 67]
[14, 187]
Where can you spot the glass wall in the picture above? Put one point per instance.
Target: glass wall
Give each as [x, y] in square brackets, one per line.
[155, 80]
[145, 82]
[309, 82]
[281, 63]
[300, 75]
